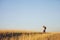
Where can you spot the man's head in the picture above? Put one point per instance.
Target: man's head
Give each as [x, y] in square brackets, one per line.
[44, 27]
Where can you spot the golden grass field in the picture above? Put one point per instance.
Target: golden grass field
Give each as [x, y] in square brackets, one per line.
[28, 35]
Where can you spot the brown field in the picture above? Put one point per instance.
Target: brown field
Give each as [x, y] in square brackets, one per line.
[28, 35]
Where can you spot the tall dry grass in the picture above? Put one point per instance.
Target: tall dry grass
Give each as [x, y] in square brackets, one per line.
[28, 35]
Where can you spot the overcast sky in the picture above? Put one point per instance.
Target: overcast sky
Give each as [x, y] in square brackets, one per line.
[30, 15]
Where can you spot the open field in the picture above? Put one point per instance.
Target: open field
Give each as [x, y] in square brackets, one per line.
[28, 35]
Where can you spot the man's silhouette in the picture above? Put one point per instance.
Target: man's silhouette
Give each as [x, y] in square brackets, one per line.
[44, 30]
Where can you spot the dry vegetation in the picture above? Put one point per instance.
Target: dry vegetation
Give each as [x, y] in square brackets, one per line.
[30, 35]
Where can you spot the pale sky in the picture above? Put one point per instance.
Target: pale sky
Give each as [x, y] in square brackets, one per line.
[30, 15]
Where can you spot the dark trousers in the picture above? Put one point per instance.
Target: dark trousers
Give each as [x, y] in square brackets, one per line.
[44, 30]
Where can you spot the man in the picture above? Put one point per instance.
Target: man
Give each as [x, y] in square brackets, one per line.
[44, 30]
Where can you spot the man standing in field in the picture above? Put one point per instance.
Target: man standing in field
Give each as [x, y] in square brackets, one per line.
[44, 29]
